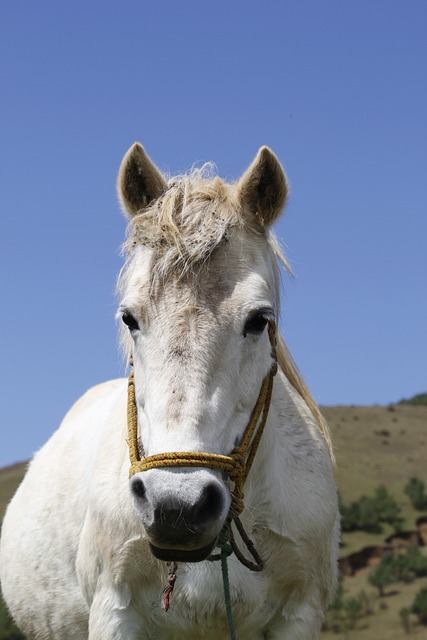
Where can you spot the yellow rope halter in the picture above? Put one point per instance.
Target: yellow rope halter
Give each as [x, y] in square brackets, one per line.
[237, 465]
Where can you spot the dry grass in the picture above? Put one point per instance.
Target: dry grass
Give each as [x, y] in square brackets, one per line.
[384, 623]
[378, 445]
[10, 477]
[373, 445]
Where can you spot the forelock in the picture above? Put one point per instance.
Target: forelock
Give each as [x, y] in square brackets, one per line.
[186, 224]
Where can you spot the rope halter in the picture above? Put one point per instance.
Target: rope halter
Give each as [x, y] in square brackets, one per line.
[236, 466]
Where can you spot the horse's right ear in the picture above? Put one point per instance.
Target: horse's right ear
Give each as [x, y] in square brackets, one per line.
[139, 181]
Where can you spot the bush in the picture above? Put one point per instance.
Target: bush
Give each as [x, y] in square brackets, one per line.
[338, 601]
[368, 513]
[410, 565]
[404, 614]
[417, 563]
[415, 490]
[419, 606]
[400, 568]
[344, 613]
[353, 608]
[403, 569]
[8, 630]
[419, 399]
[360, 515]
[387, 508]
[383, 574]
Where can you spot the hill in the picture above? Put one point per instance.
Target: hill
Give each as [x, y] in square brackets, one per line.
[373, 445]
[10, 477]
[378, 445]
[419, 399]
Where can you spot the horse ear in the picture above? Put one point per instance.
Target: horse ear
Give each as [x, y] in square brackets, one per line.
[139, 181]
[263, 188]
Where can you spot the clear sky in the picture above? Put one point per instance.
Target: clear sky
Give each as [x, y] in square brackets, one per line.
[337, 89]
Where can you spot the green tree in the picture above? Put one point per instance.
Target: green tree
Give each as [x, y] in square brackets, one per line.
[403, 568]
[383, 574]
[387, 508]
[419, 606]
[368, 513]
[404, 614]
[8, 630]
[337, 602]
[415, 490]
[416, 561]
[354, 610]
[360, 515]
[419, 399]
[369, 516]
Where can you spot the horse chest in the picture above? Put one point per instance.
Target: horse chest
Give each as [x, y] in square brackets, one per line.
[197, 608]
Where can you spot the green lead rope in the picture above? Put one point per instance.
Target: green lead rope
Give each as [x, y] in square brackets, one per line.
[227, 596]
[226, 550]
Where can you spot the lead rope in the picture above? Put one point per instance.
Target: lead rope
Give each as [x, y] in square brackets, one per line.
[237, 466]
[226, 550]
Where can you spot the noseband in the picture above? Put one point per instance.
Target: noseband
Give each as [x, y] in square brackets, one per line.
[236, 466]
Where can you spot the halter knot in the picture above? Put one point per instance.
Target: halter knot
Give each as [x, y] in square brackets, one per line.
[237, 472]
[237, 503]
[237, 475]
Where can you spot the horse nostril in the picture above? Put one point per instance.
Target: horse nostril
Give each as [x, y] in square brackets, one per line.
[138, 488]
[210, 504]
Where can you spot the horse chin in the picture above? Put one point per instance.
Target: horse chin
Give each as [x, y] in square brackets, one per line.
[182, 555]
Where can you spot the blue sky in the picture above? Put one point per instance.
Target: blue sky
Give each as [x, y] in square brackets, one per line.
[337, 89]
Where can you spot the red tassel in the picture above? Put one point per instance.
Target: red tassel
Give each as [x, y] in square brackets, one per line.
[167, 591]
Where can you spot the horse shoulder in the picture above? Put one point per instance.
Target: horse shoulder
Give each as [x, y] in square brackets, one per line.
[299, 476]
[94, 394]
[42, 529]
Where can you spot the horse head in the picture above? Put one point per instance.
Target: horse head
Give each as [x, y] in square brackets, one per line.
[198, 292]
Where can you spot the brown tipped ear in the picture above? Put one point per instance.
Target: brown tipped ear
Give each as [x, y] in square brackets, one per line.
[139, 181]
[263, 188]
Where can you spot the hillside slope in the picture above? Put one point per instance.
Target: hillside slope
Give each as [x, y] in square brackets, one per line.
[378, 445]
[373, 445]
[10, 478]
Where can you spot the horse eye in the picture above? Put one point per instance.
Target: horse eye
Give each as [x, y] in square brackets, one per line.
[130, 321]
[257, 322]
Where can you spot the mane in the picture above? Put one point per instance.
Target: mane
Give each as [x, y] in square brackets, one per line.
[187, 223]
[184, 227]
[284, 358]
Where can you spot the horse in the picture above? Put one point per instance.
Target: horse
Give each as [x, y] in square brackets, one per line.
[89, 549]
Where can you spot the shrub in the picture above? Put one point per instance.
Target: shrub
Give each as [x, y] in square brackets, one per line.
[419, 399]
[360, 515]
[400, 568]
[344, 613]
[387, 508]
[416, 562]
[415, 490]
[383, 574]
[8, 630]
[404, 614]
[410, 565]
[353, 608]
[419, 606]
[368, 513]
[337, 603]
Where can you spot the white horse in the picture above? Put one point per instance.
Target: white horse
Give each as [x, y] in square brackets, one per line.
[84, 549]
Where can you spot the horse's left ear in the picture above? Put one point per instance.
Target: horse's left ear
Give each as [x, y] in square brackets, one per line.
[263, 188]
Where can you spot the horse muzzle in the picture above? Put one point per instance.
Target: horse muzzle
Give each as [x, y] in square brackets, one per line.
[183, 511]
